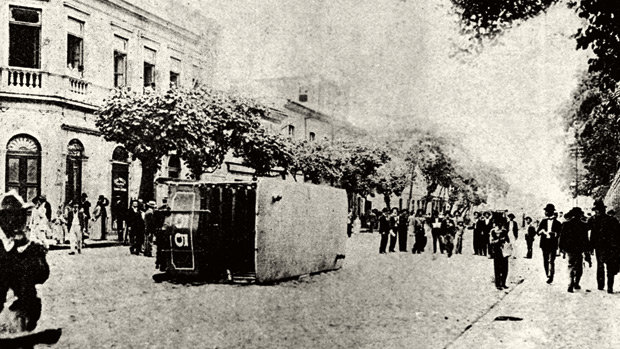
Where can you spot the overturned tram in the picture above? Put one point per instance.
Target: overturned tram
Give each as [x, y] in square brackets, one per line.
[254, 231]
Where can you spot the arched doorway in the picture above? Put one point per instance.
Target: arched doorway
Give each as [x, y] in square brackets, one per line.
[75, 157]
[120, 189]
[23, 166]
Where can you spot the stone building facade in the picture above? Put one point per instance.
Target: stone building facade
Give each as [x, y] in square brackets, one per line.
[58, 62]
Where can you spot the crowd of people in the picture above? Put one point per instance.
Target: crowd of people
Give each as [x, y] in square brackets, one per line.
[72, 222]
[573, 235]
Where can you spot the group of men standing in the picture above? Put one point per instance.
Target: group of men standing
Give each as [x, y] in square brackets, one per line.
[395, 226]
[572, 238]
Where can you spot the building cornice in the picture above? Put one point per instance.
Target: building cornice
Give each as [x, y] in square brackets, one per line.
[80, 129]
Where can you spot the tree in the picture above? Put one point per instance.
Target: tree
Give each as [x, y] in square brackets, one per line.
[594, 109]
[150, 126]
[392, 179]
[201, 125]
[429, 154]
[348, 165]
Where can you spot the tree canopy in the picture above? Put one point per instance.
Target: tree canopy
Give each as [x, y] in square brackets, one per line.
[200, 125]
[593, 110]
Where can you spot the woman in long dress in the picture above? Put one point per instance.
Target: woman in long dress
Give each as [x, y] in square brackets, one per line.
[75, 229]
[39, 225]
[100, 215]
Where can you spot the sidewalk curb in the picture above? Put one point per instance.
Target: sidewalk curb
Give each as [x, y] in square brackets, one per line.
[98, 244]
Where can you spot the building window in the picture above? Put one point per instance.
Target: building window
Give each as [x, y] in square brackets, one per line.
[291, 130]
[174, 167]
[174, 79]
[75, 45]
[175, 69]
[24, 37]
[149, 68]
[312, 136]
[120, 61]
[303, 94]
[23, 166]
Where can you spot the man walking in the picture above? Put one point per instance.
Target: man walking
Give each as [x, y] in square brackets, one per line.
[549, 230]
[605, 241]
[574, 242]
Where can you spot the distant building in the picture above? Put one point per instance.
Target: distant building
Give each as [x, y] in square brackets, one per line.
[59, 60]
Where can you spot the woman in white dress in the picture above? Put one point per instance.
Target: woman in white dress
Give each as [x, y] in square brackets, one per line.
[39, 225]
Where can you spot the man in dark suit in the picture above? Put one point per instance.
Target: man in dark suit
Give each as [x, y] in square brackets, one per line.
[529, 236]
[475, 232]
[549, 231]
[605, 241]
[135, 224]
[574, 242]
[384, 230]
[403, 224]
[484, 230]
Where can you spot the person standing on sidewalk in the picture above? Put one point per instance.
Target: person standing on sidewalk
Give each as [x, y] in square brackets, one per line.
[135, 224]
[384, 230]
[149, 228]
[512, 226]
[393, 229]
[574, 242]
[403, 224]
[549, 230]
[605, 241]
[475, 227]
[458, 241]
[74, 218]
[436, 231]
[419, 232]
[529, 236]
[498, 239]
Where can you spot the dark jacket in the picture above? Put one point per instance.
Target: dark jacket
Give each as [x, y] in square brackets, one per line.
[574, 236]
[403, 222]
[549, 243]
[483, 227]
[134, 221]
[531, 233]
[498, 237]
[604, 238]
[384, 224]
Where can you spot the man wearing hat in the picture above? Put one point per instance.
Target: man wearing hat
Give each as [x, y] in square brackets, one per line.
[574, 242]
[149, 228]
[549, 230]
[512, 226]
[23, 263]
[605, 241]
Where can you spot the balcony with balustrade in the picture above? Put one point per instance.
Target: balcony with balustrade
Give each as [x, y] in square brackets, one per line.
[35, 84]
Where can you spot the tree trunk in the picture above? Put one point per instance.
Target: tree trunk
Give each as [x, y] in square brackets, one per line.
[410, 192]
[147, 189]
[386, 198]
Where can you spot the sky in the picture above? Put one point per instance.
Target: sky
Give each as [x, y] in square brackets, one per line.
[398, 58]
